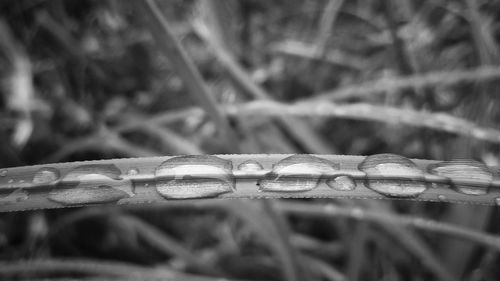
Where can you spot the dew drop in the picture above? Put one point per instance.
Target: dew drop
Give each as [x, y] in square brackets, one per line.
[11, 181]
[90, 184]
[3, 173]
[133, 171]
[393, 175]
[442, 198]
[477, 174]
[194, 176]
[297, 173]
[45, 176]
[250, 166]
[342, 183]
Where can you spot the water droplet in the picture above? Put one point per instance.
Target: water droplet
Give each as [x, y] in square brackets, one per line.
[442, 198]
[15, 196]
[250, 166]
[194, 176]
[476, 174]
[133, 171]
[342, 183]
[297, 173]
[92, 184]
[3, 173]
[87, 194]
[11, 181]
[393, 175]
[45, 176]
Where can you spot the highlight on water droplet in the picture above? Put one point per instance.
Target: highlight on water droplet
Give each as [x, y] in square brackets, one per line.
[45, 176]
[87, 194]
[393, 175]
[194, 176]
[297, 173]
[250, 166]
[3, 173]
[342, 183]
[442, 197]
[476, 175]
[133, 171]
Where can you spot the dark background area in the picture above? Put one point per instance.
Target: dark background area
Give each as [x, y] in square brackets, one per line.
[85, 80]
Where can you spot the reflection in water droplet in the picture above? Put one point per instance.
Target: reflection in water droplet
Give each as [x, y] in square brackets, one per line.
[465, 170]
[342, 183]
[15, 196]
[133, 171]
[250, 165]
[87, 195]
[297, 173]
[194, 176]
[45, 176]
[393, 175]
[3, 173]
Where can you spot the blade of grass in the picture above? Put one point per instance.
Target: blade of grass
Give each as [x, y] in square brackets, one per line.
[390, 85]
[171, 48]
[330, 210]
[300, 130]
[375, 113]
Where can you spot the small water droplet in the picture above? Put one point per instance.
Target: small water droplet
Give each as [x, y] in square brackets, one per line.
[393, 175]
[11, 181]
[133, 171]
[250, 166]
[342, 183]
[194, 176]
[477, 174]
[442, 197]
[297, 173]
[3, 173]
[45, 176]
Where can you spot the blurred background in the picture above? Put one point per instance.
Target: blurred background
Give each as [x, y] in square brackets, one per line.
[85, 80]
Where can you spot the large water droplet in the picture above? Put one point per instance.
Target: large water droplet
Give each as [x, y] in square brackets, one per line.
[45, 176]
[194, 176]
[297, 173]
[393, 175]
[342, 183]
[3, 173]
[476, 175]
[92, 184]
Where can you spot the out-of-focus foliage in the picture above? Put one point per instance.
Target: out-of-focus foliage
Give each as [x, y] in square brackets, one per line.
[87, 80]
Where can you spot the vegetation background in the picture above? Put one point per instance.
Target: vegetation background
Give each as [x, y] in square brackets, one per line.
[104, 79]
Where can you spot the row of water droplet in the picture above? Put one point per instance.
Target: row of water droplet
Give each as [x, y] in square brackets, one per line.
[201, 176]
